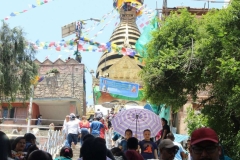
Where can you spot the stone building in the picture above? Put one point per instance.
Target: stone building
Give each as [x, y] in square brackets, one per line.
[61, 92]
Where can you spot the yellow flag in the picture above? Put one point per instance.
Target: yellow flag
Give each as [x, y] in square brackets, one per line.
[38, 2]
[90, 48]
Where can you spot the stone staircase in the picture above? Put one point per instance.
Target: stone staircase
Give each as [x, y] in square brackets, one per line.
[76, 152]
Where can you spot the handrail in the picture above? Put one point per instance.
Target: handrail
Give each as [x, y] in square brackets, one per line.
[31, 126]
[31, 119]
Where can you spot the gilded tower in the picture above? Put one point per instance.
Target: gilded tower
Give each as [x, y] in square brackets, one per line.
[115, 66]
[125, 35]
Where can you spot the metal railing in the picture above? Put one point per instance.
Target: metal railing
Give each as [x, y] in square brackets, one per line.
[48, 139]
[54, 143]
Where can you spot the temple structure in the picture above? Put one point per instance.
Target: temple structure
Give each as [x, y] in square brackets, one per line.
[115, 66]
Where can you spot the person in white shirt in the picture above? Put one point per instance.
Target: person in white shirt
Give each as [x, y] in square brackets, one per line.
[17, 131]
[72, 130]
[181, 154]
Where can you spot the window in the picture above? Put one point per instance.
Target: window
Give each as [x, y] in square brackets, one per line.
[12, 111]
[5, 113]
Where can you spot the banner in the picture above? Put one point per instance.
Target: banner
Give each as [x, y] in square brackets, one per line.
[119, 87]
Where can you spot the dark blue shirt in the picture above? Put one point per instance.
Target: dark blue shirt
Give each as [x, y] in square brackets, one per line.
[123, 144]
[147, 149]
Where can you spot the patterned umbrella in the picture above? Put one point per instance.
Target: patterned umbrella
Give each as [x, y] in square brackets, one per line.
[137, 120]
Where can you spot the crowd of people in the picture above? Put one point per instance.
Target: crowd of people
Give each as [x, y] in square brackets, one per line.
[202, 145]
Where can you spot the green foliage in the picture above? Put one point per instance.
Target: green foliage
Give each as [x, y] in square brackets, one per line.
[194, 120]
[54, 70]
[16, 64]
[167, 73]
[176, 71]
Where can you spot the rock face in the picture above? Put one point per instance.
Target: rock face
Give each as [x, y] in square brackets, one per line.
[68, 83]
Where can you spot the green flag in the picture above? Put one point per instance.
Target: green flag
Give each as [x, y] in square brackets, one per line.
[146, 36]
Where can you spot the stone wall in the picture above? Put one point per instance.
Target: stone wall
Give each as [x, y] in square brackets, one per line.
[68, 83]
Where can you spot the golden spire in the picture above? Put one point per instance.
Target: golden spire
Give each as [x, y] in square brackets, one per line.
[125, 35]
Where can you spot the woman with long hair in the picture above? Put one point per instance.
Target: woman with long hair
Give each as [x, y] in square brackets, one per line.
[18, 146]
[84, 126]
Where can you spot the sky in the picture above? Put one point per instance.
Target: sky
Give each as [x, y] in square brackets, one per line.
[44, 23]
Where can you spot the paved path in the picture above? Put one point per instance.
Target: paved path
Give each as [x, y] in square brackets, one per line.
[76, 152]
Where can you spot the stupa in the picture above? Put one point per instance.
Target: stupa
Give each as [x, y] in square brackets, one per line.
[125, 35]
[116, 66]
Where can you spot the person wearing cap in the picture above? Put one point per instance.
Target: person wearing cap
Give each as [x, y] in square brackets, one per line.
[204, 144]
[72, 130]
[167, 149]
[181, 152]
[30, 141]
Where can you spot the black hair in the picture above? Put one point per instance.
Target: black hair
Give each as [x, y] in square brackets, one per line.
[87, 136]
[93, 148]
[118, 152]
[29, 136]
[132, 143]
[39, 116]
[66, 152]
[128, 130]
[15, 142]
[5, 146]
[163, 119]
[31, 149]
[40, 155]
[146, 130]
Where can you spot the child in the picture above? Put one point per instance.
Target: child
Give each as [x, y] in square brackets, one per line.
[123, 143]
[131, 153]
[148, 148]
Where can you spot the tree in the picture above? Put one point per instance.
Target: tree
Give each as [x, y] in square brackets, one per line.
[194, 120]
[16, 64]
[176, 71]
[167, 76]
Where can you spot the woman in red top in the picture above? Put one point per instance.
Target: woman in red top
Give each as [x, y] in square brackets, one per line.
[102, 130]
[84, 125]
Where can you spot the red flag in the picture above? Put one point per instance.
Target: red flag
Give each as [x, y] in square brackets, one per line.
[51, 44]
[141, 25]
[80, 47]
[58, 48]
[124, 52]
